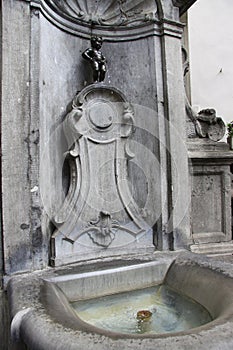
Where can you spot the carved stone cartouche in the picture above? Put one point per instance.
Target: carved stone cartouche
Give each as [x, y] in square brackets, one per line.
[99, 211]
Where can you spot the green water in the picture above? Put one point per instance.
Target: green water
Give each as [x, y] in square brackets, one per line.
[171, 312]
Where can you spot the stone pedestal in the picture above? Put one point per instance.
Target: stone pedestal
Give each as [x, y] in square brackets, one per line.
[211, 214]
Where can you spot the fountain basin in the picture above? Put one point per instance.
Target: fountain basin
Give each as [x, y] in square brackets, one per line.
[51, 322]
[153, 310]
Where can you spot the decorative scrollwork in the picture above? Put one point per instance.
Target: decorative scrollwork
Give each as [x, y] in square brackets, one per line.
[205, 123]
[105, 12]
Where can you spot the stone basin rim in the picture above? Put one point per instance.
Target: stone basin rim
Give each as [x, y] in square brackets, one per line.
[223, 322]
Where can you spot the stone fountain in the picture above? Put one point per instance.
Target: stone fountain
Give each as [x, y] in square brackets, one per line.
[114, 178]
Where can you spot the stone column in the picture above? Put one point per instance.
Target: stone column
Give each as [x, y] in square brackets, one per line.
[15, 125]
[179, 195]
[22, 235]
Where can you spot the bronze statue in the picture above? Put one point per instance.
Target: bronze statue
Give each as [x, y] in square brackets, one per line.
[96, 58]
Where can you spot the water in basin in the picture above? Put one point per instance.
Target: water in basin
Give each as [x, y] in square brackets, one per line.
[170, 311]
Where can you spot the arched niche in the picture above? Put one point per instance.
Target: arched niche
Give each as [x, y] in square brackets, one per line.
[113, 20]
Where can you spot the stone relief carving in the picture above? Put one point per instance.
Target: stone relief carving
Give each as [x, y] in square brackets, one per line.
[127, 19]
[104, 228]
[106, 13]
[205, 124]
[98, 209]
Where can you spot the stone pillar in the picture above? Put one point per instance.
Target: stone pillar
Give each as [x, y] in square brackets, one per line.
[24, 246]
[211, 196]
[15, 125]
[177, 229]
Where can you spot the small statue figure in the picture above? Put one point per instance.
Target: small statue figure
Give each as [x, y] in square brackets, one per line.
[95, 56]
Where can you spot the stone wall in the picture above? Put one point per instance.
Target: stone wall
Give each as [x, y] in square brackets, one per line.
[42, 71]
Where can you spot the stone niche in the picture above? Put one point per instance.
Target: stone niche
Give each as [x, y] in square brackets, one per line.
[150, 210]
[43, 65]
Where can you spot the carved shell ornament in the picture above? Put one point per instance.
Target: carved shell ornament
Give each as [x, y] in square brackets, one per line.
[106, 12]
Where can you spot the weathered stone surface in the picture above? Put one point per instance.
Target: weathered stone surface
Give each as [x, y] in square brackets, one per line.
[42, 71]
[200, 278]
[4, 321]
[15, 126]
[106, 13]
[54, 70]
[178, 180]
[125, 71]
[204, 124]
[114, 20]
[211, 192]
[99, 212]
[24, 242]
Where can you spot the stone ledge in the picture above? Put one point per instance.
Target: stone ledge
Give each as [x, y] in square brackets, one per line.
[213, 249]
